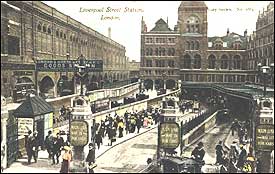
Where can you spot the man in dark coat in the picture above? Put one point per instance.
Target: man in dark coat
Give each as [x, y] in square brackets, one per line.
[139, 123]
[198, 153]
[91, 158]
[219, 153]
[242, 157]
[98, 140]
[57, 145]
[49, 143]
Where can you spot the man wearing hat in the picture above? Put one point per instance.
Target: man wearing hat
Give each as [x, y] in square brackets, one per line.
[242, 157]
[32, 146]
[198, 153]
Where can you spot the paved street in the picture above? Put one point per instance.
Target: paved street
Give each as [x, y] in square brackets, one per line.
[210, 140]
[130, 156]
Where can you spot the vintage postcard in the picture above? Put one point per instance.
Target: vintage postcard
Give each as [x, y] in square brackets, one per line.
[137, 87]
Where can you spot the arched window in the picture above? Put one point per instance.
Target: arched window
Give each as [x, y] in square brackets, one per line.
[224, 62]
[197, 61]
[197, 45]
[160, 51]
[151, 52]
[57, 33]
[163, 52]
[211, 62]
[173, 52]
[187, 62]
[71, 38]
[147, 51]
[188, 46]
[49, 30]
[39, 27]
[61, 34]
[65, 36]
[156, 51]
[192, 45]
[237, 62]
[44, 28]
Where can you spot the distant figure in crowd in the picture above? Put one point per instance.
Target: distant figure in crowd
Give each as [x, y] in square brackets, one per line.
[67, 157]
[120, 128]
[98, 139]
[198, 153]
[49, 143]
[235, 126]
[139, 123]
[233, 152]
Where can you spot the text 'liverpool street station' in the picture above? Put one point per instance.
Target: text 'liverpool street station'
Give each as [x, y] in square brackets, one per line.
[73, 101]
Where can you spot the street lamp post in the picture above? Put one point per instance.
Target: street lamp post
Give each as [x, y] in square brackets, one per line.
[265, 70]
[81, 69]
[70, 109]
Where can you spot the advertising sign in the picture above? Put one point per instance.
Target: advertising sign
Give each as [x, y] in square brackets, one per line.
[79, 133]
[24, 125]
[265, 137]
[169, 135]
[95, 65]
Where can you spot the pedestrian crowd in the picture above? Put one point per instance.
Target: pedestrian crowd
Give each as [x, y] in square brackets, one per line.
[54, 144]
[118, 125]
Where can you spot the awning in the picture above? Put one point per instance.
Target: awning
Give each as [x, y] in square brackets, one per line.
[33, 106]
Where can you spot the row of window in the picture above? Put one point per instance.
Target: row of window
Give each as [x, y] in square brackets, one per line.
[160, 63]
[263, 52]
[160, 52]
[192, 45]
[191, 28]
[212, 62]
[214, 78]
[262, 41]
[161, 40]
[159, 72]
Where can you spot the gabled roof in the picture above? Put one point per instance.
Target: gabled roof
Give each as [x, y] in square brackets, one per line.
[33, 106]
[161, 25]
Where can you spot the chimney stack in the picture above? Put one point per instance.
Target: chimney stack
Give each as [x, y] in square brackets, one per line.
[109, 32]
[245, 33]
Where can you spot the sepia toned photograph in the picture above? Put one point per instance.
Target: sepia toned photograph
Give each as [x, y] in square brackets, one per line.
[137, 87]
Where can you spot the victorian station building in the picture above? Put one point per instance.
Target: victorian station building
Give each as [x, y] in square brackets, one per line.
[186, 53]
[32, 30]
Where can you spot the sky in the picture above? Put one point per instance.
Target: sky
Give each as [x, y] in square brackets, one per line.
[124, 17]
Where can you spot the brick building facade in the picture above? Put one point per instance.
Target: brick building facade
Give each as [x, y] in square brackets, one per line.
[32, 30]
[186, 53]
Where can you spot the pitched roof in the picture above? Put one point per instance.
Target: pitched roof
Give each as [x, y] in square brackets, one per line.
[161, 25]
[33, 106]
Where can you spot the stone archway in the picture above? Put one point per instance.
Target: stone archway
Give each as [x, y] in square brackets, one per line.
[170, 84]
[46, 87]
[148, 84]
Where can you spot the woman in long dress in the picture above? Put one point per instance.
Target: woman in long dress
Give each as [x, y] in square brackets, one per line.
[67, 157]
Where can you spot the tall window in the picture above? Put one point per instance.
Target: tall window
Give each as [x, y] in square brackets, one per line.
[149, 63]
[224, 62]
[197, 61]
[187, 62]
[237, 62]
[13, 45]
[211, 62]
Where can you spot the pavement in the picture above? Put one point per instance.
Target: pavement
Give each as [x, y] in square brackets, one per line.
[44, 165]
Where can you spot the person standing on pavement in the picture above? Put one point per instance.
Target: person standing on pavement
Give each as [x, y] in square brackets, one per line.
[235, 126]
[139, 123]
[67, 157]
[90, 159]
[49, 143]
[198, 153]
[120, 128]
[98, 140]
[57, 146]
[242, 157]
[32, 146]
[219, 153]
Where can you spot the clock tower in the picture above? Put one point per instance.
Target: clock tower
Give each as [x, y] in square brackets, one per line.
[193, 43]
